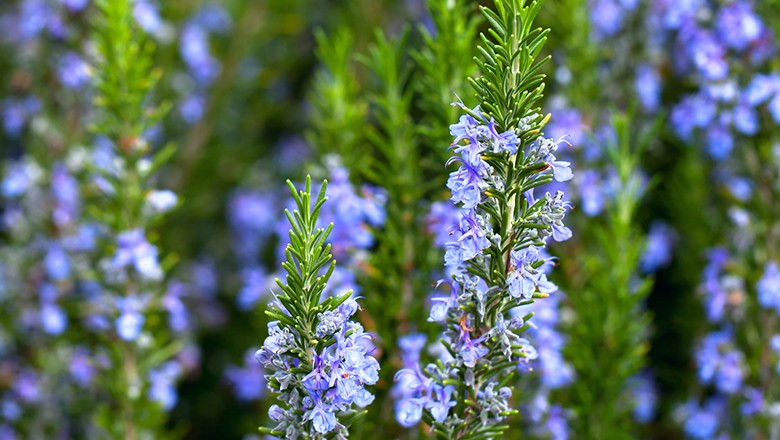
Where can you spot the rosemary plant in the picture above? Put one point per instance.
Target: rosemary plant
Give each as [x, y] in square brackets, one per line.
[496, 254]
[608, 335]
[318, 361]
[128, 312]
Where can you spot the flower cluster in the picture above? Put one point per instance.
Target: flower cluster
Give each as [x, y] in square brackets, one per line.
[46, 251]
[202, 67]
[721, 360]
[319, 367]
[725, 51]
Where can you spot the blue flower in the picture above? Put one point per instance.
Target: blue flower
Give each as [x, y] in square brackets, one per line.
[755, 403]
[255, 287]
[471, 350]
[526, 280]
[178, 315]
[161, 201]
[318, 379]
[658, 251]
[65, 190]
[719, 142]
[607, 18]
[762, 88]
[133, 249]
[322, 419]
[441, 306]
[214, 18]
[551, 215]
[441, 402]
[542, 150]
[473, 239]
[768, 287]
[648, 87]
[567, 124]
[702, 423]
[81, 366]
[643, 394]
[737, 25]
[18, 178]
[592, 195]
[774, 108]
[411, 346]
[248, 381]
[53, 319]
[466, 185]
[57, 262]
[162, 386]
[72, 71]
[75, 5]
[408, 412]
[147, 15]
[720, 363]
[705, 52]
[745, 119]
[130, 321]
[194, 47]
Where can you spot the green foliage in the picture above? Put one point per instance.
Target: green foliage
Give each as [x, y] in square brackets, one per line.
[308, 253]
[124, 79]
[445, 60]
[124, 76]
[608, 336]
[338, 114]
[511, 83]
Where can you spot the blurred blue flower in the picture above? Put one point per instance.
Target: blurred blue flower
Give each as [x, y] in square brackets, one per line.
[133, 250]
[130, 321]
[72, 71]
[658, 251]
[607, 18]
[738, 25]
[768, 287]
[75, 5]
[53, 319]
[648, 87]
[702, 423]
[720, 362]
[162, 384]
[247, 380]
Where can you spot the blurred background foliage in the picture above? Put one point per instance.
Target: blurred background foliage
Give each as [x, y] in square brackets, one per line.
[372, 81]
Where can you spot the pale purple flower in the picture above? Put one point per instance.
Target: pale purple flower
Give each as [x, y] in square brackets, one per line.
[53, 319]
[72, 71]
[133, 250]
[194, 48]
[719, 362]
[162, 386]
[192, 108]
[147, 15]
[762, 88]
[75, 5]
[160, 201]
[57, 262]
[658, 250]
[737, 25]
[248, 381]
[768, 287]
[130, 321]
